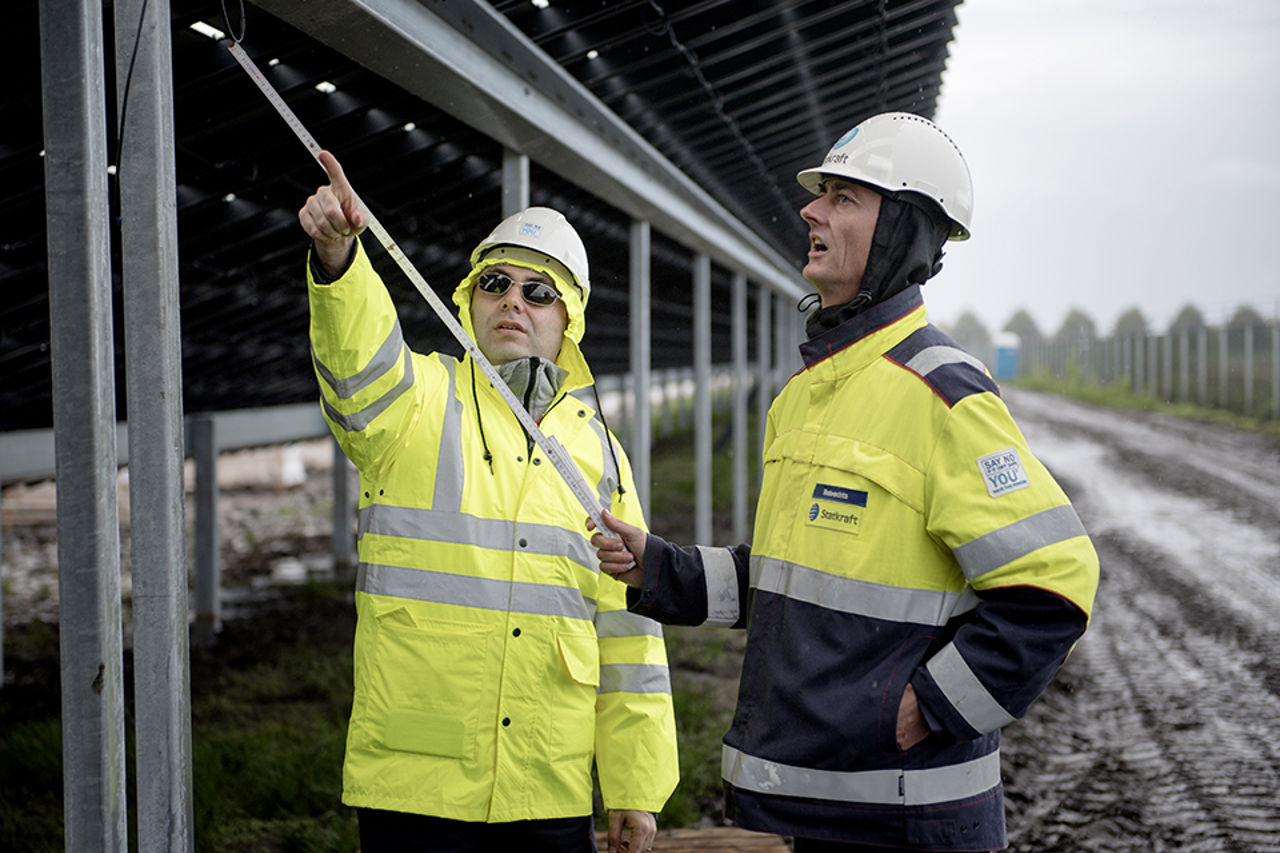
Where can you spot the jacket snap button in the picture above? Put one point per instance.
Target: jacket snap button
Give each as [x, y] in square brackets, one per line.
[582, 413]
[519, 458]
[506, 721]
[537, 461]
[524, 543]
[516, 632]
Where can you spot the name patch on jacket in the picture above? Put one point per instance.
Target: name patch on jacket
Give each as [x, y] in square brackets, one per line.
[837, 508]
[1002, 471]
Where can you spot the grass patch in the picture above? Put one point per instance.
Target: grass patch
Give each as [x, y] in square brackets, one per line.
[1120, 395]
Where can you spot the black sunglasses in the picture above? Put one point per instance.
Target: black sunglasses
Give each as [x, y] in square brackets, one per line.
[535, 292]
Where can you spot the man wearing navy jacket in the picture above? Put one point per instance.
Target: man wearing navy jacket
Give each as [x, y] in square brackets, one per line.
[917, 576]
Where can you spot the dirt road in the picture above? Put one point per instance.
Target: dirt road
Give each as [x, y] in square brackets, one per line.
[1163, 731]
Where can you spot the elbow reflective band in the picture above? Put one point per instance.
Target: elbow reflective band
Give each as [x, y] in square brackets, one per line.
[383, 360]
[879, 787]
[723, 607]
[861, 598]
[999, 547]
[965, 692]
[357, 421]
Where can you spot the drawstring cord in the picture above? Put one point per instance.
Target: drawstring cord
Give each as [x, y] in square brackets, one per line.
[488, 457]
[608, 437]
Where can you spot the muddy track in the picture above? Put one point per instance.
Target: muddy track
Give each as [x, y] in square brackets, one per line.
[1161, 731]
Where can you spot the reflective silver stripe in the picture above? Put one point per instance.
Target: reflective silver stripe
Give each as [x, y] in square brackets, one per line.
[965, 692]
[859, 597]
[622, 623]
[723, 607]
[930, 359]
[383, 360]
[450, 472]
[993, 550]
[357, 421]
[479, 593]
[612, 476]
[463, 529]
[879, 787]
[634, 678]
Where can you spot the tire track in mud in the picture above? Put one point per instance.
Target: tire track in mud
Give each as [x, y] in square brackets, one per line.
[1160, 732]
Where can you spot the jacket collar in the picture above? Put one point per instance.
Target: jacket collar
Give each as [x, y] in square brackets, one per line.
[855, 329]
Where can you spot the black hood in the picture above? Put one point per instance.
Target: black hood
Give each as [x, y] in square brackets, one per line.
[906, 249]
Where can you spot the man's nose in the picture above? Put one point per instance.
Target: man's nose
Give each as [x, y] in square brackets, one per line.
[809, 213]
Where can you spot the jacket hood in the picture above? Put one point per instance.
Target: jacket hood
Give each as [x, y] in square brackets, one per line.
[906, 249]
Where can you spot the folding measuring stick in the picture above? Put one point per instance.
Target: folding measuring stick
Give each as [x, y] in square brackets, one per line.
[554, 450]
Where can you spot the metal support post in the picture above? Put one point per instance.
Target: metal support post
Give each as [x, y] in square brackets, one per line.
[515, 182]
[702, 397]
[79, 263]
[1275, 370]
[741, 387]
[641, 357]
[148, 201]
[1224, 372]
[204, 448]
[1202, 366]
[1184, 365]
[764, 359]
[1248, 370]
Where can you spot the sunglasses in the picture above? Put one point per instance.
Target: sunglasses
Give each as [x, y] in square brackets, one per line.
[535, 292]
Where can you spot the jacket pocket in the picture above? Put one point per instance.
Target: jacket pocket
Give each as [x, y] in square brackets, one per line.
[424, 685]
[573, 729]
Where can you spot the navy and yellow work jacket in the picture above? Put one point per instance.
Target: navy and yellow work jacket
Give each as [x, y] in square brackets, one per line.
[905, 535]
[493, 661]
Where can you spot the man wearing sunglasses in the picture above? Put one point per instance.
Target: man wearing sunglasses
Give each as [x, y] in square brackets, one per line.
[493, 662]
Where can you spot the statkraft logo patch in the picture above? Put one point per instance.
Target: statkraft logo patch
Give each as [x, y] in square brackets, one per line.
[1002, 472]
[838, 508]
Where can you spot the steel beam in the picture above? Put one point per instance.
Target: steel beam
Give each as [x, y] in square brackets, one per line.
[204, 447]
[515, 182]
[470, 61]
[764, 366]
[702, 397]
[642, 422]
[77, 212]
[153, 357]
[741, 388]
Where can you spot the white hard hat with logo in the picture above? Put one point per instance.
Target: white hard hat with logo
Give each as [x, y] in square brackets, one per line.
[897, 152]
[546, 233]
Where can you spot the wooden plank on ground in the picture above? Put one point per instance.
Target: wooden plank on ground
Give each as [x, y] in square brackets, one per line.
[722, 839]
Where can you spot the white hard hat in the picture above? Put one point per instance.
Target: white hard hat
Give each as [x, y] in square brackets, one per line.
[546, 233]
[898, 152]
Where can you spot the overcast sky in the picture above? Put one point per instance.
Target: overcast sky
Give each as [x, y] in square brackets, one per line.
[1124, 153]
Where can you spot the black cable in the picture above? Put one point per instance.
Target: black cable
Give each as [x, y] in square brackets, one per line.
[488, 457]
[226, 19]
[128, 82]
[622, 490]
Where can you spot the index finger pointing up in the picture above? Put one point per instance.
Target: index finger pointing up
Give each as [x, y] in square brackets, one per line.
[337, 178]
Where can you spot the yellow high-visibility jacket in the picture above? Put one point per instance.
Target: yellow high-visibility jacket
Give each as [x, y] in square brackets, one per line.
[493, 661]
[905, 535]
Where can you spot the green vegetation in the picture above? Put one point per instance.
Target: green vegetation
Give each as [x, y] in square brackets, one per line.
[270, 704]
[1119, 395]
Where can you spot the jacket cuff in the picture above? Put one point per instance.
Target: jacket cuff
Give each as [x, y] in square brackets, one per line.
[318, 275]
